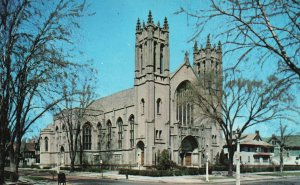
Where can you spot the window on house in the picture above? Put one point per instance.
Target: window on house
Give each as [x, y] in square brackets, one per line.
[248, 159]
[154, 56]
[46, 144]
[131, 122]
[109, 132]
[120, 132]
[158, 102]
[87, 137]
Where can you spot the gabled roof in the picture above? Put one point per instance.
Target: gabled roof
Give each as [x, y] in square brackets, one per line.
[253, 139]
[291, 141]
[185, 63]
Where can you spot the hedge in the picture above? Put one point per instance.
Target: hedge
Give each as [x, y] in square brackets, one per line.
[253, 169]
[158, 173]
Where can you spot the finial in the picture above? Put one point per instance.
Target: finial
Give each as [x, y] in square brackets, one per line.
[219, 46]
[158, 24]
[166, 26]
[186, 58]
[195, 46]
[150, 20]
[138, 25]
[208, 42]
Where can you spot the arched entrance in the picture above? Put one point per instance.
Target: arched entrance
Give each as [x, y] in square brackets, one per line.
[140, 153]
[62, 156]
[189, 148]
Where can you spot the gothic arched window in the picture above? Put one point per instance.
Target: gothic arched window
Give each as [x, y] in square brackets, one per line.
[143, 105]
[109, 132]
[184, 108]
[158, 102]
[161, 59]
[87, 137]
[99, 127]
[46, 144]
[131, 122]
[120, 132]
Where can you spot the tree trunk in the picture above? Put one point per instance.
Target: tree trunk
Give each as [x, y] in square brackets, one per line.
[281, 159]
[2, 165]
[13, 156]
[230, 165]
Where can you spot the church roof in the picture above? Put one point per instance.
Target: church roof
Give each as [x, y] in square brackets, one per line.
[115, 101]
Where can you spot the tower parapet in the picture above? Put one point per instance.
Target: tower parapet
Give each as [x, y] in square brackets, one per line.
[152, 51]
[208, 61]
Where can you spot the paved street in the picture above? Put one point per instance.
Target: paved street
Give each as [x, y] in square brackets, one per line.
[284, 181]
[39, 177]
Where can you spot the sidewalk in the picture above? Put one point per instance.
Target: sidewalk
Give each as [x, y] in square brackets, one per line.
[190, 179]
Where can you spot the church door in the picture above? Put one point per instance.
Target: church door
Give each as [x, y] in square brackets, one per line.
[188, 159]
[142, 158]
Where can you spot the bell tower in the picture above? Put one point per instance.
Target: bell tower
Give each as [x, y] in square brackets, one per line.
[208, 64]
[152, 86]
[151, 51]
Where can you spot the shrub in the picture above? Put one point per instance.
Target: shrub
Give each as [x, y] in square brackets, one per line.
[164, 161]
[158, 173]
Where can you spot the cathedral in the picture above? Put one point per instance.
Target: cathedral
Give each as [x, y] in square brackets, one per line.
[135, 125]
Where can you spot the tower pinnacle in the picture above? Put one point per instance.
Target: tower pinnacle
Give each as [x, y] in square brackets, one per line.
[166, 25]
[208, 42]
[195, 47]
[150, 19]
[138, 25]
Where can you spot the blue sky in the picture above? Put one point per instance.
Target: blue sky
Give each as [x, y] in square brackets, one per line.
[108, 38]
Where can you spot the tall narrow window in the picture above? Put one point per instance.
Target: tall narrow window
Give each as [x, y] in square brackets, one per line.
[154, 57]
[131, 122]
[161, 60]
[158, 102]
[120, 132]
[87, 137]
[46, 144]
[183, 106]
[143, 105]
[108, 134]
[142, 60]
[99, 127]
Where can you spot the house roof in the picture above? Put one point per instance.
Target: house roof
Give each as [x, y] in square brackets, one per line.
[29, 147]
[291, 141]
[253, 139]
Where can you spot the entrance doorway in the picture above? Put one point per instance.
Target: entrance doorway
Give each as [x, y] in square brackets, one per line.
[140, 153]
[189, 146]
[62, 156]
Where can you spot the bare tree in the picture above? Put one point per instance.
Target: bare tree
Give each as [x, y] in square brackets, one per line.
[74, 110]
[239, 103]
[255, 30]
[35, 48]
[284, 135]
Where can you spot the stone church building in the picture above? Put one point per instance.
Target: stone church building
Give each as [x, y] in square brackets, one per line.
[135, 125]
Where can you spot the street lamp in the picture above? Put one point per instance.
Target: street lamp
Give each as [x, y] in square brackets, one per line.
[101, 167]
[238, 177]
[207, 180]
